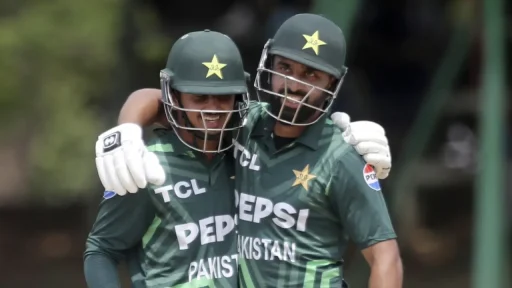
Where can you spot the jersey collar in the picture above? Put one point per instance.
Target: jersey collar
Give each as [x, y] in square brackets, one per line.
[170, 143]
[313, 134]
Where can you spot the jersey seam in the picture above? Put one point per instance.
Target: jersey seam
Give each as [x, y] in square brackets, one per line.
[378, 239]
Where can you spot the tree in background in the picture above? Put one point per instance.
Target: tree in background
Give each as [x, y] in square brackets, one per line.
[57, 59]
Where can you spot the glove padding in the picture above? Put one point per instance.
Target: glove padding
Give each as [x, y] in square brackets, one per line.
[123, 161]
[369, 139]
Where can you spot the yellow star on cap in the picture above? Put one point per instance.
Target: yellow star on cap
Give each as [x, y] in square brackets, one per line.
[313, 42]
[214, 67]
[303, 177]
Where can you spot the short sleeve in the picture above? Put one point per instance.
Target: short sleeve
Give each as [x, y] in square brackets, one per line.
[358, 200]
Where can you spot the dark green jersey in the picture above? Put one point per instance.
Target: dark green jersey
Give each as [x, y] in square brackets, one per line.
[297, 206]
[185, 228]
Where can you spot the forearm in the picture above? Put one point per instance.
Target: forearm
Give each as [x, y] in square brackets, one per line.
[101, 271]
[386, 275]
[143, 107]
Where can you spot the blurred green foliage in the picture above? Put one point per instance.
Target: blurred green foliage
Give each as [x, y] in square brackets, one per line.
[151, 45]
[57, 57]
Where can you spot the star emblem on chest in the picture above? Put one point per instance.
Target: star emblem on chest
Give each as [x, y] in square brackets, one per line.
[303, 177]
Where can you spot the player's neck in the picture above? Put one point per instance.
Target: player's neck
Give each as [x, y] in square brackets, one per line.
[291, 131]
[288, 131]
[195, 141]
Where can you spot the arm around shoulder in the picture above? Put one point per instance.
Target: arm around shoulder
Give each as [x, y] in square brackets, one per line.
[143, 107]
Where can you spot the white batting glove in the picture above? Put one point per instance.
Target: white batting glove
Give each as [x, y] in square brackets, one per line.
[369, 139]
[124, 163]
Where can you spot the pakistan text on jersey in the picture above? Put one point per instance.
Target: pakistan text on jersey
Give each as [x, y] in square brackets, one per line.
[265, 249]
[254, 209]
[246, 159]
[213, 267]
[209, 230]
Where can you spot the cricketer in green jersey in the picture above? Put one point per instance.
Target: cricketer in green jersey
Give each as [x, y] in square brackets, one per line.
[305, 189]
[250, 161]
[183, 230]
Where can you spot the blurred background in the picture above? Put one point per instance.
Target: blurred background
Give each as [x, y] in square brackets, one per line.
[432, 72]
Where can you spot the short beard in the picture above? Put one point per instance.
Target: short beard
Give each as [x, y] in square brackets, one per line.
[304, 113]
